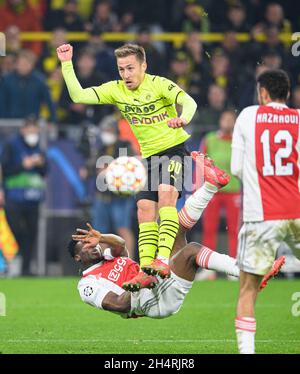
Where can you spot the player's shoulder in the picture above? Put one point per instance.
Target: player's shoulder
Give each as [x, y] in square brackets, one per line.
[249, 110]
[248, 113]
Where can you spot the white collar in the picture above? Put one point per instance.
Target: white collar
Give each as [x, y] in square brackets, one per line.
[91, 268]
[274, 104]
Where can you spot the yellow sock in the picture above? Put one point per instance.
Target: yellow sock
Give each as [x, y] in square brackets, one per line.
[148, 239]
[168, 229]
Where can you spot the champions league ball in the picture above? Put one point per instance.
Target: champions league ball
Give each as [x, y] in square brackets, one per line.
[125, 176]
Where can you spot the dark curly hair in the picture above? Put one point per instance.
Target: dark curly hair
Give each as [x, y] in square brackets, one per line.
[276, 82]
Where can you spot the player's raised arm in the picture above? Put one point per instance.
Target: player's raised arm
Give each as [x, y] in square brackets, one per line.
[175, 94]
[77, 93]
[189, 107]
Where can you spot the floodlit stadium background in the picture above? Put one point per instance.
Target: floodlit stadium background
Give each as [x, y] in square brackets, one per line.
[213, 50]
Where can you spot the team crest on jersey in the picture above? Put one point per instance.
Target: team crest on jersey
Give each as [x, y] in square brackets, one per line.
[88, 291]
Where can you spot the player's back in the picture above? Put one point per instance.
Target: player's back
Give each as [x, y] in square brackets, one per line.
[271, 162]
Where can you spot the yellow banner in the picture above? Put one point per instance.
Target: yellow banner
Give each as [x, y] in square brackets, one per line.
[8, 243]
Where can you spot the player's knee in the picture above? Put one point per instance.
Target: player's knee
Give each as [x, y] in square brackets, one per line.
[190, 252]
[167, 195]
[146, 211]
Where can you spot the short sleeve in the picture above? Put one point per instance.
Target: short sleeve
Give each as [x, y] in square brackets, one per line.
[237, 137]
[106, 92]
[92, 291]
[169, 89]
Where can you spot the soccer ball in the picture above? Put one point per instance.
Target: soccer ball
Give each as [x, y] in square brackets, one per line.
[125, 176]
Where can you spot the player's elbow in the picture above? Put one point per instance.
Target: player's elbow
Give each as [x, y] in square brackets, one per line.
[76, 99]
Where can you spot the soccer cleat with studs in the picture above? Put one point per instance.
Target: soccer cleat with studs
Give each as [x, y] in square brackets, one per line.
[212, 173]
[141, 280]
[273, 272]
[157, 267]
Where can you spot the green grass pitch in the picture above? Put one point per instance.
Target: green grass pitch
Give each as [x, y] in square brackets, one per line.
[46, 316]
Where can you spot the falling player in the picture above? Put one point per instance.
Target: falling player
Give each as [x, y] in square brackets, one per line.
[265, 155]
[106, 270]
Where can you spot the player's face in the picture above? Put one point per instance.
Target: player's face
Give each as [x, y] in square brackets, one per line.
[88, 256]
[132, 71]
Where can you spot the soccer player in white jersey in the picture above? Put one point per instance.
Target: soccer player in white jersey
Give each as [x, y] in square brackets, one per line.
[265, 155]
[107, 269]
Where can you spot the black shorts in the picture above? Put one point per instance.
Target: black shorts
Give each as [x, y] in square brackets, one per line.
[167, 167]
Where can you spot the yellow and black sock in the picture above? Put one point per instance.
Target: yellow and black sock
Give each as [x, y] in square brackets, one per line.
[168, 229]
[148, 240]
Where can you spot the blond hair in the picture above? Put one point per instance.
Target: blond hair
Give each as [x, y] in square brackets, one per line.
[131, 49]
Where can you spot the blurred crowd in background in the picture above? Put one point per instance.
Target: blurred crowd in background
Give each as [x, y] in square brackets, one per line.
[220, 76]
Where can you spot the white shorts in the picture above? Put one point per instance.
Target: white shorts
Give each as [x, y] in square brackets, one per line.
[259, 242]
[163, 300]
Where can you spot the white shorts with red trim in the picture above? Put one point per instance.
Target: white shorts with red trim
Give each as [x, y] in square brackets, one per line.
[259, 242]
[163, 300]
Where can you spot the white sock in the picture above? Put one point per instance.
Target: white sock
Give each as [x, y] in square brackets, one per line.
[195, 204]
[212, 260]
[245, 328]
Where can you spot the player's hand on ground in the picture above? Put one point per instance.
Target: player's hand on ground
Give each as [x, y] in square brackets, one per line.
[176, 122]
[65, 52]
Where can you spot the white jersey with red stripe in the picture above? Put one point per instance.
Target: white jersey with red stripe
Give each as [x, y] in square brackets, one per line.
[106, 276]
[267, 137]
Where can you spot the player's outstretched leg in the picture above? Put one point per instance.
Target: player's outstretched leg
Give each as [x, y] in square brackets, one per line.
[214, 179]
[141, 280]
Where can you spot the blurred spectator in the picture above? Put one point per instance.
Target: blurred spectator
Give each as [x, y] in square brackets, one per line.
[193, 49]
[194, 18]
[12, 38]
[103, 17]
[236, 19]
[19, 13]
[179, 70]
[295, 100]
[55, 84]
[7, 65]
[275, 17]
[88, 76]
[272, 60]
[110, 213]
[105, 58]
[155, 60]
[220, 66]
[272, 45]
[218, 146]
[247, 93]
[23, 91]
[126, 22]
[66, 18]
[48, 61]
[24, 168]
[233, 50]
[147, 12]
[210, 114]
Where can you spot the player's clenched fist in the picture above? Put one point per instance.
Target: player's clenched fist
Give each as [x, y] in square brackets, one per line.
[176, 122]
[65, 52]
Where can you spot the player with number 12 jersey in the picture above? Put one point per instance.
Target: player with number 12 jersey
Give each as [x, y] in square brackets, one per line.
[268, 138]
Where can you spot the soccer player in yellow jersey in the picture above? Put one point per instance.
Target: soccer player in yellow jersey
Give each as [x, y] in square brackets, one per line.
[148, 103]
